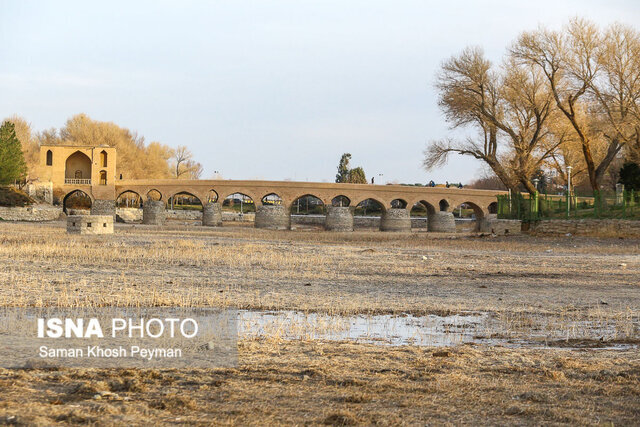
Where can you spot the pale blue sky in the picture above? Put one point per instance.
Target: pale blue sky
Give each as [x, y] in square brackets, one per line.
[264, 89]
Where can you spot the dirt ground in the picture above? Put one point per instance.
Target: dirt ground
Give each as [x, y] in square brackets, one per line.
[310, 382]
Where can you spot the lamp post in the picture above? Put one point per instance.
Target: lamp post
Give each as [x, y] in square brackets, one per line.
[535, 183]
[568, 190]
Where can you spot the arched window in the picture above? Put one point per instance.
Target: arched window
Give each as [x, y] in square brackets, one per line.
[49, 158]
[103, 178]
[103, 159]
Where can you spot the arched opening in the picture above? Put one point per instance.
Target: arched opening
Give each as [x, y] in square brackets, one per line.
[103, 159]
[78, 169]
[77, 202]
[422, 209]
[185, 201]
[154, 195]
[272, 199]
[129, 199]
[469, 211]
[308, 205]
[493, 208]
[212, 196]
[444, 205]
[340, 201]
[468, 216]
[398, 204]
[420, 213]
[103, 177]
[369, 207]
[49, 158]
[238, 203]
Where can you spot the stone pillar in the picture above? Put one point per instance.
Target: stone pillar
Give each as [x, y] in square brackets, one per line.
[483, 224]
[339, 218]
[395, 219]
[212, 214]
[103, 207]
[153, 212]
[442, 222]
[273, 217]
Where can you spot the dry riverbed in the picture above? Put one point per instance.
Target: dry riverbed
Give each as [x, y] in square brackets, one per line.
[576, 295]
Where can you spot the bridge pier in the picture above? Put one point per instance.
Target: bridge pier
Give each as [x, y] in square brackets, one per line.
[103, 207]
[272, 217]
[212, 214]
[395, 219]
[339, 218]
[153, 212]
[441, 222]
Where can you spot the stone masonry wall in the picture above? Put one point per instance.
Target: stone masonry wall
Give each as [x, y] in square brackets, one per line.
[339, 218]
[103, 207]
[587, 227]
[358, 221]
[154, 213]
[41, 191]
[212, 215]
[135, 215]
[90, 224]
[395, 220]
[41, 212]
[274, 217]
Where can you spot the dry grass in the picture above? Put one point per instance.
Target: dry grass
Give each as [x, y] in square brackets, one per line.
[521, 279]
[365, 272]
[342, 383]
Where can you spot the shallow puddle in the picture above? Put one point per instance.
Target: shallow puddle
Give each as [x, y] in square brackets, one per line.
[438, 331]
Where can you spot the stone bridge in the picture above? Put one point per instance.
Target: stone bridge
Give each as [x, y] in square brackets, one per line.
[340, 200]
[433, 198]
[92, 171]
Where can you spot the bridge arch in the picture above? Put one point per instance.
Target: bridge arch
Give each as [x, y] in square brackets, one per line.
[398, 204]
[425, 206]
[154, 194]
[212, 196]
[129, 199]
[369, 206]
[271, 199]
[184, 200]
[239, 202]
[76, 199]
[477, 210]
[444, 205]
[308, 204]
[492, 208]
[422, 209]
[341, 201]
[244, 191]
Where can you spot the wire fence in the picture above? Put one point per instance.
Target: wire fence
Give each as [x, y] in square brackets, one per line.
[535, 207]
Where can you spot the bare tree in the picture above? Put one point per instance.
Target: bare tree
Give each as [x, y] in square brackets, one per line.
[508, 109]
[594, 79]
[195, 169]
[181, 156]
